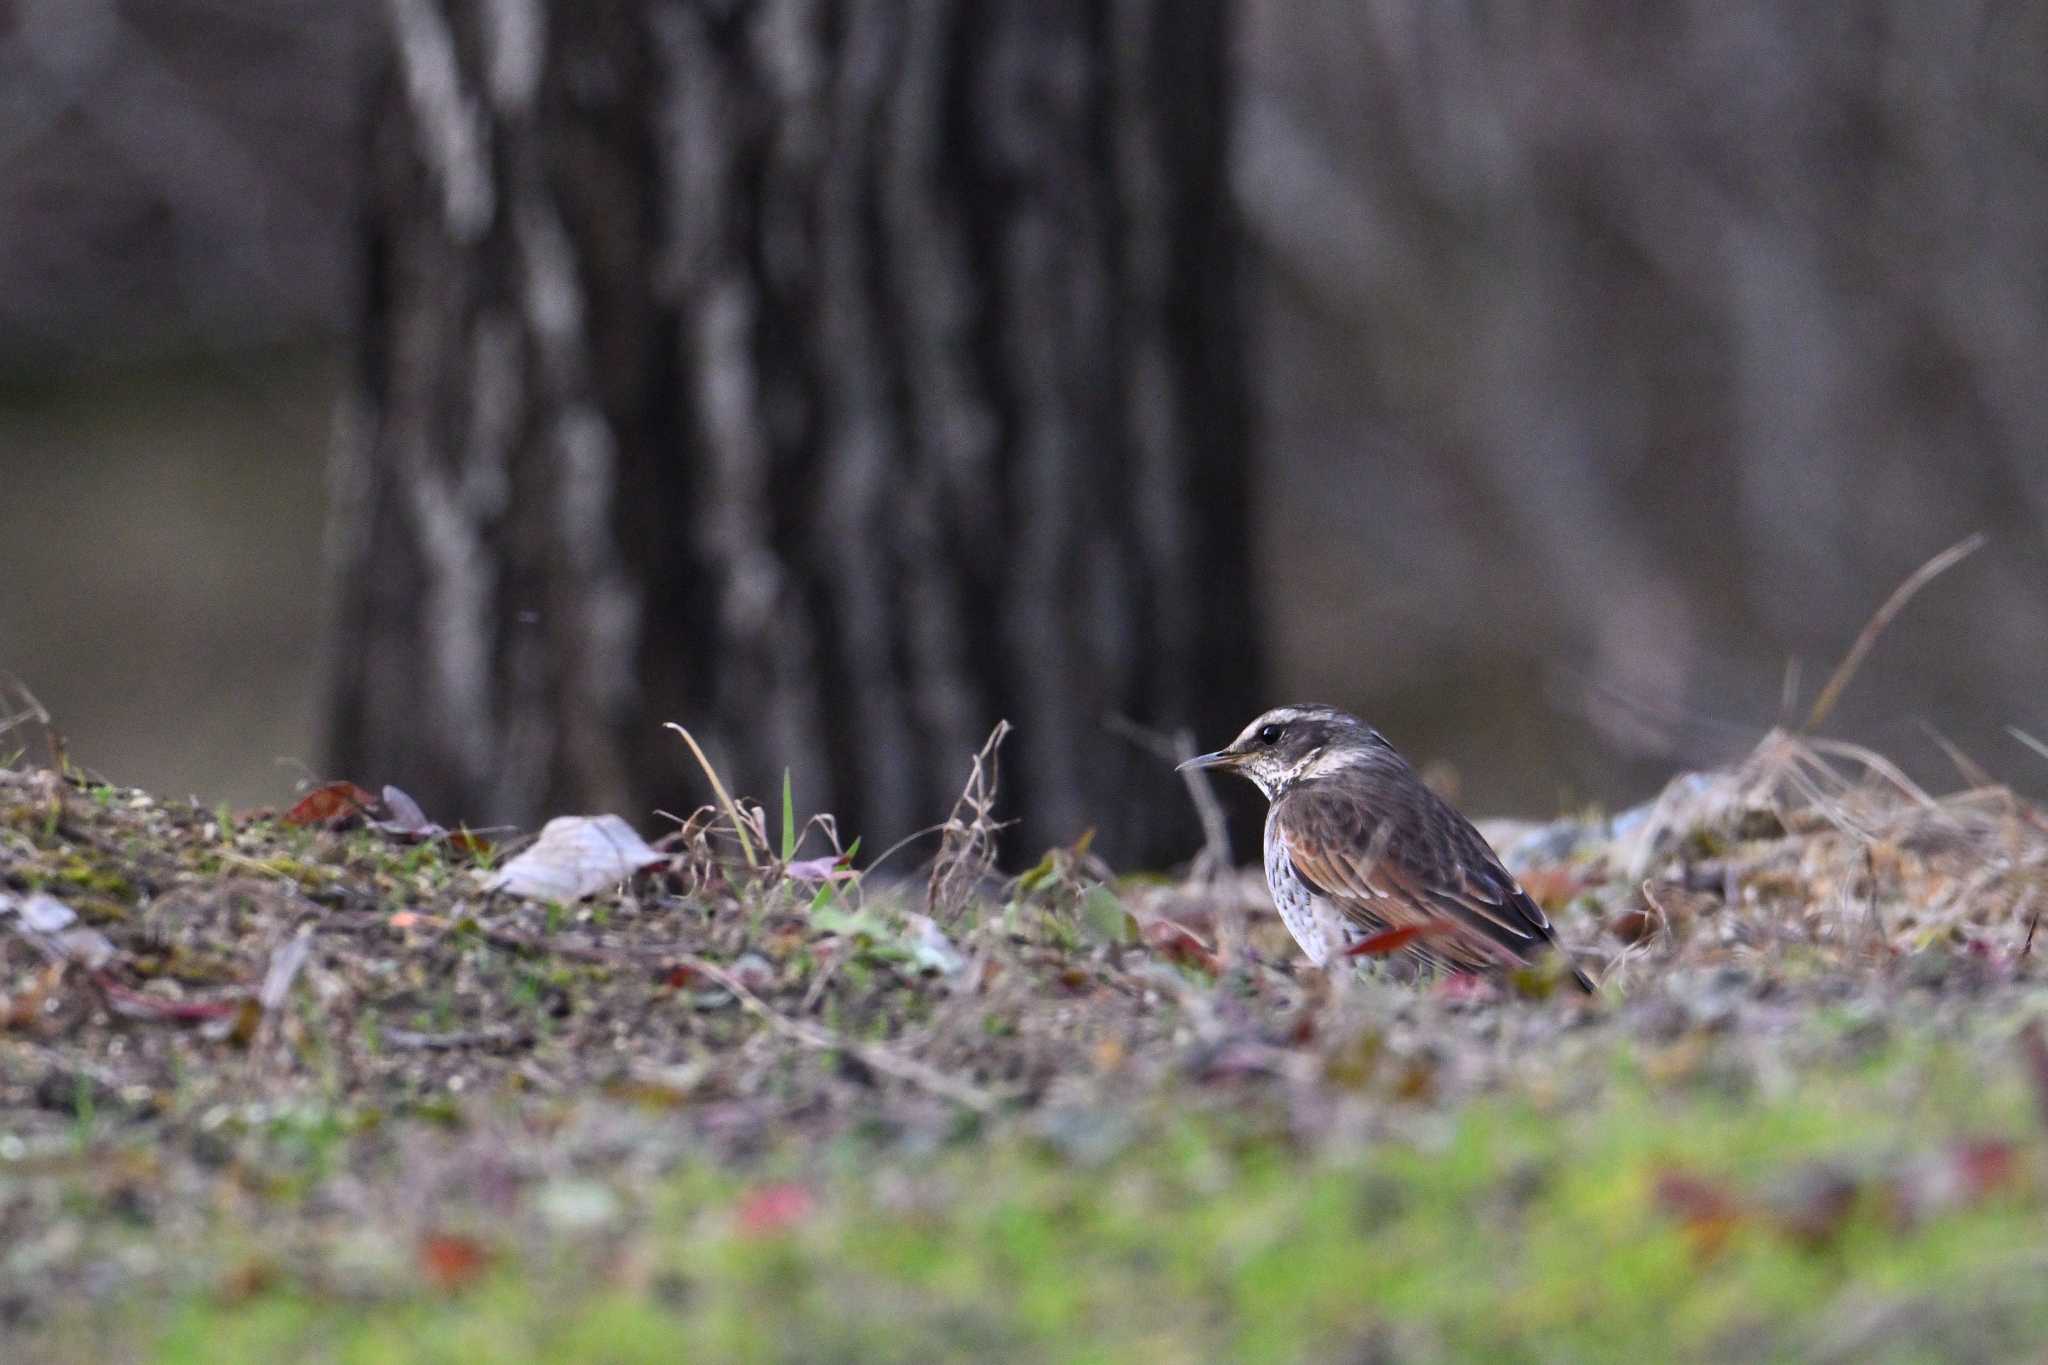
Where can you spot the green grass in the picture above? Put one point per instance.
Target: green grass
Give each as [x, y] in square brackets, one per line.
[1521, 1228]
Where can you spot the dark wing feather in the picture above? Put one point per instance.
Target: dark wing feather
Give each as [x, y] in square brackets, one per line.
[1389, 853]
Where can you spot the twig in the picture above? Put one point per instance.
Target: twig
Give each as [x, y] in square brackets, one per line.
[497, 1037]
[724, 799]
[31, 712]
[1972, 771]
[286, 962]
[1838, 681]
[1177, 748]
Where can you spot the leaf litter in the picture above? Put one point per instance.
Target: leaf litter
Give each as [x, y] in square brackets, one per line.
[467, 1040]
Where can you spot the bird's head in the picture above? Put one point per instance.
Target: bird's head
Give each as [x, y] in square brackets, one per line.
[1291, 743]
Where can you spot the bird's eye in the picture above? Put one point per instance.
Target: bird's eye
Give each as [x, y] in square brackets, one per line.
[1269, 734]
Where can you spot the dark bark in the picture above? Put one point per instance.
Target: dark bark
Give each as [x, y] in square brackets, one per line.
[833, 378]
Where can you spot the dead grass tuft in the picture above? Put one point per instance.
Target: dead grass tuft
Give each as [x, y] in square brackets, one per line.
[967, 841]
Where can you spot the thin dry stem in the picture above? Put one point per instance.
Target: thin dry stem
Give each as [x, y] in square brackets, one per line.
[1934, 568]
[967, 845]
[732, 810]
[1214, 859]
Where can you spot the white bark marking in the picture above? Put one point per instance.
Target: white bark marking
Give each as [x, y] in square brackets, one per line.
[517, 33]
[454, 138]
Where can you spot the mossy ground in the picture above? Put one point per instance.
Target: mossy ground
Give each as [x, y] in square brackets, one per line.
[1795, 1123]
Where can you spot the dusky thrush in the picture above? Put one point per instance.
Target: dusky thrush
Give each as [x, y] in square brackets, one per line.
[1362, 856]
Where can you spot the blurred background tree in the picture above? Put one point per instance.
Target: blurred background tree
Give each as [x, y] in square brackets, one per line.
[1607, 357]
[836, 379]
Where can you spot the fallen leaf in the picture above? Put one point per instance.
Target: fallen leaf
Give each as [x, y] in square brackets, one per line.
[46, 914]
[405, 820]
[1985, 1166]
[1177, 943]
[1104, 919]
[929, 946]
[22, 1009]
[451, 1261]
[52, 928]
[773, 1209]
[830, 868]
[133, 1004]
[1633, 926]
[576, 856]
[1708, 1211]
[1813, 1205]
[249, 1278]
[1553, 887]
[469, 844]
[332, 804]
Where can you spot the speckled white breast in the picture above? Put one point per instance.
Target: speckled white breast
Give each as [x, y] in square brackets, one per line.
[1317, 928]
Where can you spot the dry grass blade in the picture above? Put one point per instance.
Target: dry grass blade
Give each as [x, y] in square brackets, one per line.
[28, 711]
[2023, 737]
[1838, 681]
[732, 811]
[1970, 769]
[967, 843]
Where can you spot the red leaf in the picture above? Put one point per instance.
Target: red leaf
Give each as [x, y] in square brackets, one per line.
[1986, 1166]
[1178, 943]
[134, 1004]
[681, 974]
[1394, 940]
[468, 844]
[331, 805]
[774, 1209]
[451, 1261]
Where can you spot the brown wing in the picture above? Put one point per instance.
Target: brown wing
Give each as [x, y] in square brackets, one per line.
[1389, 853]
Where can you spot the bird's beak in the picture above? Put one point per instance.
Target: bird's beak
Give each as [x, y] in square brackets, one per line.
[1222, 758]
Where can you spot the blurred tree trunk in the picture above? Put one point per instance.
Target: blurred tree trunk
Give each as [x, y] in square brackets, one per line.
[834, 378]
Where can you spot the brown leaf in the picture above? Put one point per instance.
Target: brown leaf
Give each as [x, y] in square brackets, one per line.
[1633, 926]
[334, 804]
[1708, 1211]
[1553, 887]
[469, 844]
[1813, 1206]
[248, 1279]
[22, 1009]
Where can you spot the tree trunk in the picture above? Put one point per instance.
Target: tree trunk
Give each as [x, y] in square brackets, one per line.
[835, 379]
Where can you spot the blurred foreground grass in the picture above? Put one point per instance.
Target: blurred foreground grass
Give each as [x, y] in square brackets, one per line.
[1515, 1229]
